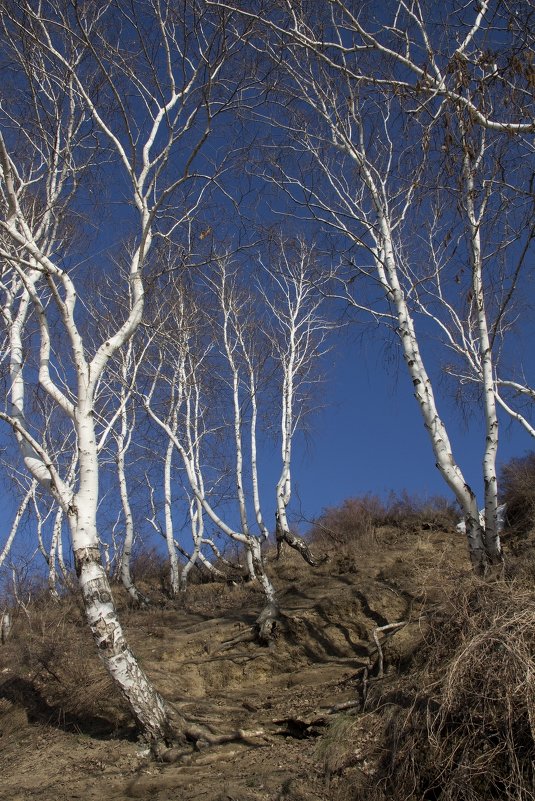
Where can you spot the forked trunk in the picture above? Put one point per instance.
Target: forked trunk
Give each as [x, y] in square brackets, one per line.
[423, 392]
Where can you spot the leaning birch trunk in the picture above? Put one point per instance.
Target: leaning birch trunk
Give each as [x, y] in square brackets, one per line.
[269, 615]
[146, 704]
[16, 522]
[126, 556]
[491, 529]
[423, 391]
[69, 135]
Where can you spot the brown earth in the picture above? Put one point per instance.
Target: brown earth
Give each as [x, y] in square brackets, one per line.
[65, 735]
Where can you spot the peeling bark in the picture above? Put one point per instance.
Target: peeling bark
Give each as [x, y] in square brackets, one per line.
[284, 535]
[147, 705]
[5, 627]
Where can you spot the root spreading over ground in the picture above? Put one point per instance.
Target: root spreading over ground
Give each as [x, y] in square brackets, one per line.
[393, 673]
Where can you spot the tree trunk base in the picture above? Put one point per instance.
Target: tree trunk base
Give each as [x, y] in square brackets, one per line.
[263, 631]
[266, 623]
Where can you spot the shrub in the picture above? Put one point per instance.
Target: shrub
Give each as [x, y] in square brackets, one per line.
[517, 484]
[356, 519]
[55, 673]
[353, 521]
[411, 511]
[464, 730]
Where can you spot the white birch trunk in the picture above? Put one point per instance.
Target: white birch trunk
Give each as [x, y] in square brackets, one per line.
[190, 460]
[16, 521]
[65, 64]
[126, 556]
[268, 617]
[423, 392]
[301, 334]
[230, 348]
[147, 705]
[197, 530]
[66, 575]
[56, 546]
[284, 487]
[5, 627]
[174, 572]
[264, 533]
[52, 573]
[491, 530]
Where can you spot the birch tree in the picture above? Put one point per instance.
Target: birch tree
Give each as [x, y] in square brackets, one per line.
[17, 520]
[238, 326]
[95, 100]
[174, 403]
[419, 51]
[123, 433]
[298, 334]
[362, 98]
[481, 259]
[181, 415]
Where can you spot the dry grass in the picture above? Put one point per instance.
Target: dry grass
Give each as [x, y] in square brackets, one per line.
[412, 513]
[353, 522]
[456, 722]
[517, 488]
[463, 725]
[52, 669]
[356, 520]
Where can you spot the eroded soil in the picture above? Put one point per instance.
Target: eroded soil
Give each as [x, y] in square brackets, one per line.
[285, 695]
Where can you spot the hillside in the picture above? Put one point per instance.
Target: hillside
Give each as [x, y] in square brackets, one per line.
[65, 735]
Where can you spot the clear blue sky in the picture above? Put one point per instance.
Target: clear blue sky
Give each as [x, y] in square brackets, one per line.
[369, 437]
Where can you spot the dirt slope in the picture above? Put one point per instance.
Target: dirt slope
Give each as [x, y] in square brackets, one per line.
[59, 746]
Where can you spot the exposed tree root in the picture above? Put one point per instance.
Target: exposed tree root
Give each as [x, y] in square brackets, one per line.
[344, 706]
[248, 635]
[139, 601]
[387, 630]
[263, 630]
[190, 736]
[266, 622]
[300, 728]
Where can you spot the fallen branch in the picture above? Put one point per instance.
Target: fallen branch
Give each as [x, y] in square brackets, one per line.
[201, 737]
[389, 629]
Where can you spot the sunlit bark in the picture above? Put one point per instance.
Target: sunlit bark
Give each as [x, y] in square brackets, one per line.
[295, 301]
[94, 101]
